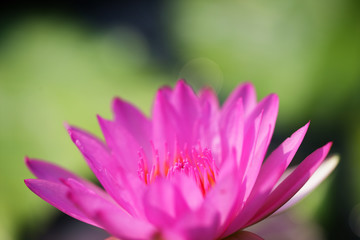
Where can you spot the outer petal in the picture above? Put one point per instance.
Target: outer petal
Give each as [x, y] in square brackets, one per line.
[246, 93]
[48, 171]
[107, 214]
[318, 177]
[277, 162]
[292, 183]
[51, 172]
[111, 176]
[269, 174]
[56, 194]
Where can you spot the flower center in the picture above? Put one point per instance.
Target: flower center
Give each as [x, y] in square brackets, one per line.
[195, 162]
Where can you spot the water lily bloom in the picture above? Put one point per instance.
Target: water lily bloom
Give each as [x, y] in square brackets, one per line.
[194, 170]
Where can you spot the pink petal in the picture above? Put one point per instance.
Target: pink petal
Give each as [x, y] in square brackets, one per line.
[292, 183]
[265, 112]
[56, 194]
[111, 176]
[174, 124]
[189, 190]
[318, 177]
[130, 118]
[208, 128]
[186, 104]
[208, 97]
[225, 196]
[232, 133]
[165, 124]
[248, 170]
[269, 108]
[270, 173]
[174, 116]
[122, 143]
[250, 162]
[107, 214]
[48, 171]
[164, 203]
[51, 172]
[200, 224]
[245, 91]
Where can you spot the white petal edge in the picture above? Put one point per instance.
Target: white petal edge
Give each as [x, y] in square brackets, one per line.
[318, 177]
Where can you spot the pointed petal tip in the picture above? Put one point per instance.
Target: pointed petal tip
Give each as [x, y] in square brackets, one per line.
[31, 164]
[27, 161]
[100, 120]
[67, 126]
[302, 130]
[181, 81]
[161, 92]
[328, 146]
[274, 98]
[26, 181]
[32, 183]
[116, 102]
[182, 84]
[248, 85]
[70, 129]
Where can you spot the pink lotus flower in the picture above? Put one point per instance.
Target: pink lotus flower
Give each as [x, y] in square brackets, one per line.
[192, 171]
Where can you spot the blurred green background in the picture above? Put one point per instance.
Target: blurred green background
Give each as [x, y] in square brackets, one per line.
[66, 61]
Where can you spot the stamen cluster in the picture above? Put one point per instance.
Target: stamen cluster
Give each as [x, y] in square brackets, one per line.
[195, 162]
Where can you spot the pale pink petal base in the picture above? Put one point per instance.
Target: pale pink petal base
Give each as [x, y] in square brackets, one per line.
[318, 177]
